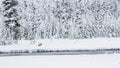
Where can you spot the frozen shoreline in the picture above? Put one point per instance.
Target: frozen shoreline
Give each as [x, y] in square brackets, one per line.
[58, 52]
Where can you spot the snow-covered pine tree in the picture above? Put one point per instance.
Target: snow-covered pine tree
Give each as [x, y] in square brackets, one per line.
[12, 25]
[62, 12]
[78, 22]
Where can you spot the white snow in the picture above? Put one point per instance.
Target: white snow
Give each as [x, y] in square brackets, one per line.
[95, 43]
[71, 61]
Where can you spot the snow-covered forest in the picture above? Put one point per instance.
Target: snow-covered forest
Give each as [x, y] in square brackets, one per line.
[59, 19]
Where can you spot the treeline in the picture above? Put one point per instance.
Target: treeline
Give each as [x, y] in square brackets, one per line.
[65, 19]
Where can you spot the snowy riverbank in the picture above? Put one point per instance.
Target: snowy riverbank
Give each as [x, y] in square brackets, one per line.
[62, 44]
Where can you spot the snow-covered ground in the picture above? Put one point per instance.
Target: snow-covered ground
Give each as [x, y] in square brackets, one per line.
[63, 61]
[71, 61]
[65, 44]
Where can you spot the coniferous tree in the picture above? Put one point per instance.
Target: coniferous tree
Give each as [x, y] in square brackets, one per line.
[12, 25]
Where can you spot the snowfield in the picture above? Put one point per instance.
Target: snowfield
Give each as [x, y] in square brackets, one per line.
[62, 44]
[71, 61]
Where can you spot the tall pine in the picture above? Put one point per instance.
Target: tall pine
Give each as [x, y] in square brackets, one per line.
[12, 25]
